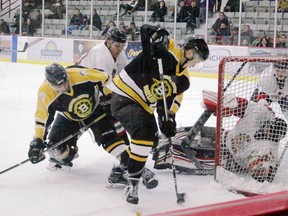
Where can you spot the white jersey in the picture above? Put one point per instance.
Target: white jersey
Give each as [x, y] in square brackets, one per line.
[100, 57]
[240, 140]
[268, 84]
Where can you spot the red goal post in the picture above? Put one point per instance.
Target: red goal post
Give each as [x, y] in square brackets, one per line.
[239, 76]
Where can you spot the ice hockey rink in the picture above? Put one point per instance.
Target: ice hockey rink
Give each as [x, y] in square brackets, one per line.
[33, 190]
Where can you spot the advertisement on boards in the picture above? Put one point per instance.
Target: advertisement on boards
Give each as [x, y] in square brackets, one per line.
[50, 49]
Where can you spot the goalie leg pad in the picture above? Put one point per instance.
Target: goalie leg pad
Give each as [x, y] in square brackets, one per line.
[163, 159]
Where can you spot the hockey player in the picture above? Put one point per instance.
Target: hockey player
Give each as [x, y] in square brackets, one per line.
[110, 57]
[273, 86]
[74, 93]
[253, 142]
[137, 93]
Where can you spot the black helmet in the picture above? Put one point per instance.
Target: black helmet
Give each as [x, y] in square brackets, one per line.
[199, 45]
[55, 74]
[117, 35]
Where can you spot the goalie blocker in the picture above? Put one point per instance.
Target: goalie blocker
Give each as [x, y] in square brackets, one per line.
[202, 147]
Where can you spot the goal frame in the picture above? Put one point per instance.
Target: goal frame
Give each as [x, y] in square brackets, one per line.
[222, 89]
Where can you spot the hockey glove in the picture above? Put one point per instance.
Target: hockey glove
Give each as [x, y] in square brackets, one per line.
[168, 127]
[159, 43]
[36, 153]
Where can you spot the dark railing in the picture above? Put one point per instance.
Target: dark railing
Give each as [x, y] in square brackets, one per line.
[7, 6]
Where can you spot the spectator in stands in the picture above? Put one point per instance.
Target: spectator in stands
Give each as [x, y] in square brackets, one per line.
[223, 30]
[132, 6]
[4, 27]
[216, 26]
[152, 5]
[264, 42]
[160, 12]
[218, 7]
[218, 40]
[37, 19]
[122, 26]
[58, 9]
[245, 41]
[85, 23]
[282, 41]
[247, 31]
[28, 29]
[282, 6]
[202, 7]
[233, 40]
[192, 16]
[133, 32]
[76, 21]
[28, 5]
[181, 12]
[111, 24]
[233, 6]
[96, 20]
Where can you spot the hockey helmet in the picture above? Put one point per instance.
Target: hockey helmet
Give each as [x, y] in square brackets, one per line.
[277, 130]
[116, 35]
[199, 45]
[281, 65]
[55, 74]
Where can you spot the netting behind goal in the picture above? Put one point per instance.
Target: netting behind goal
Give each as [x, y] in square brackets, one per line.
[249, 169]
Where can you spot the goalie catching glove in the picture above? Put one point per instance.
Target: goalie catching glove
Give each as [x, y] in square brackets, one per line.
[167, 127]
[36, 151]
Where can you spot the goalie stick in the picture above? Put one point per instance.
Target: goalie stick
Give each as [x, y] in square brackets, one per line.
[9, 50]
[180, 196]
[200, 123]
[79, 132]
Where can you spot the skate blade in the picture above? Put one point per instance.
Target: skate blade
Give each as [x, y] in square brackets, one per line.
[151, 184]
[115, 186]
[53, 168]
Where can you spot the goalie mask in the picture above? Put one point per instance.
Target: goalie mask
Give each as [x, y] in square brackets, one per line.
[273, 130]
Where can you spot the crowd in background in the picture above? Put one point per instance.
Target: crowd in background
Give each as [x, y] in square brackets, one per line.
[191, 12]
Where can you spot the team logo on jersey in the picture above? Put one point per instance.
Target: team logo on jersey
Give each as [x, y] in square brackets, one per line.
[155, 92]
[81, 106]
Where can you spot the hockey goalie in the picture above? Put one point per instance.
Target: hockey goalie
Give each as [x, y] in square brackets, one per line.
[250, 147]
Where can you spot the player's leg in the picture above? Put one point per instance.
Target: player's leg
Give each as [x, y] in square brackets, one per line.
[63, 155]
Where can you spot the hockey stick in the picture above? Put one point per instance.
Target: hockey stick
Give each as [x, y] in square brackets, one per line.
[180, 196]
[80, 131]
[23, 50]
[200, 123]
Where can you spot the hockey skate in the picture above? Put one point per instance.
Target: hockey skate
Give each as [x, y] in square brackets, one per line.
[131, 191]
[118, 176]
[148, 179]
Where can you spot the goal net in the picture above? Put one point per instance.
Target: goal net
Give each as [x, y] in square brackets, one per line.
[247, 161]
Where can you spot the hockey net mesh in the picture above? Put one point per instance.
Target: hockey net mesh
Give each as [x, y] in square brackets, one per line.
[240, 76]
